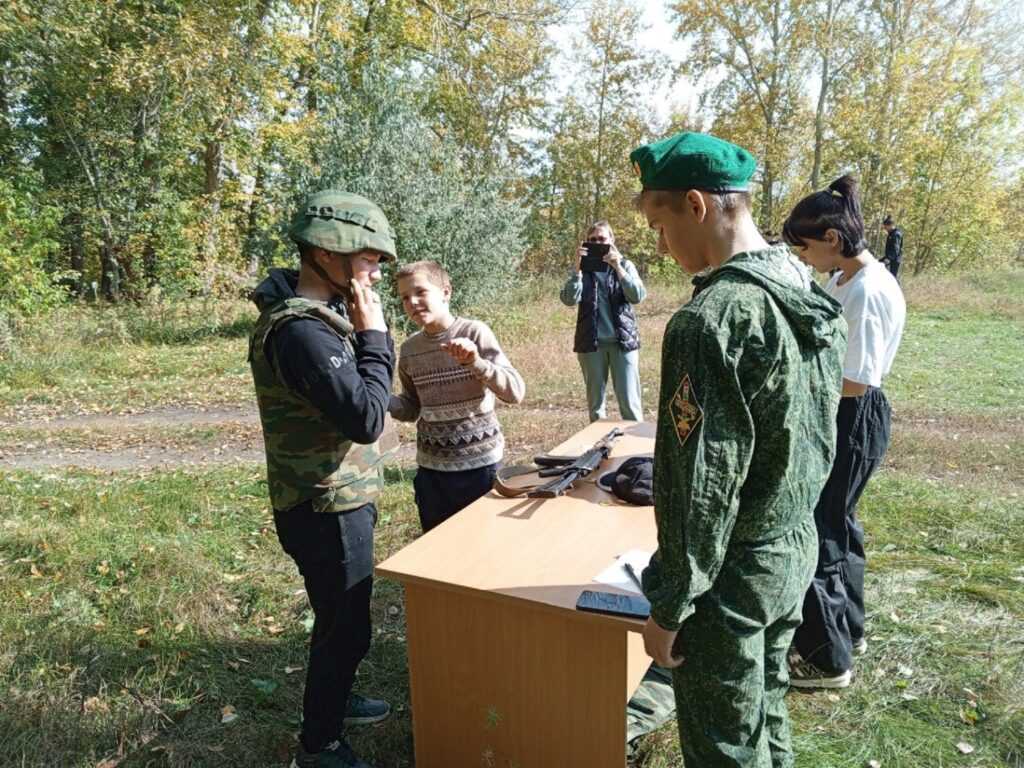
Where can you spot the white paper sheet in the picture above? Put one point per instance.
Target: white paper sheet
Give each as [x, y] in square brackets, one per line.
[615, 575]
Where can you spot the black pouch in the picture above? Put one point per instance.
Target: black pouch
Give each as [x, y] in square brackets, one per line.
[356, 528]
[633, 481]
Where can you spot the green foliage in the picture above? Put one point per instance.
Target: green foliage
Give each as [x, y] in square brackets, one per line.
[583, 174]
[378, 144]
[27, 242]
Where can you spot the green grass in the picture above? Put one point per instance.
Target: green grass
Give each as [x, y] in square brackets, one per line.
[137, 605]
[959, 364]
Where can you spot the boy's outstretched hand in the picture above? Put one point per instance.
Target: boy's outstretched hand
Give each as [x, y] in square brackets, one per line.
[463, 350]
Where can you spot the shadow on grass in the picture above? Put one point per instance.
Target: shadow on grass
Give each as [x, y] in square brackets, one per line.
[89, 700]
[152, 332]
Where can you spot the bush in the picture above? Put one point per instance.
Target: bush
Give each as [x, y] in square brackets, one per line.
[28, 233]
[378, 144]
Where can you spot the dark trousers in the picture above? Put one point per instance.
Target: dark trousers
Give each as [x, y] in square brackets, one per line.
[439, 495]
[332, 552]
[833, 610]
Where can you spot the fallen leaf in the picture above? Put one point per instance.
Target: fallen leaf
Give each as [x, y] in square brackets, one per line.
[266, 687]
[290, 670]
[142, 631]
[874, 764]
[908, 696]
[965, 748]
[95, 704]
[228, 714]
[904, 670]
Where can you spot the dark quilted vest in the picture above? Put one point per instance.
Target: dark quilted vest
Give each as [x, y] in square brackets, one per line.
[627, 334]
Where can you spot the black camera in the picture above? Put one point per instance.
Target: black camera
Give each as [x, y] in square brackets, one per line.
[594, 261]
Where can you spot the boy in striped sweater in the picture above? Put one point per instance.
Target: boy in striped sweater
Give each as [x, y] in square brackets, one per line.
[451, 370]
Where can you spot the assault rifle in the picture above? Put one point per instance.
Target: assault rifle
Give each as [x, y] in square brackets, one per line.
[566, 470]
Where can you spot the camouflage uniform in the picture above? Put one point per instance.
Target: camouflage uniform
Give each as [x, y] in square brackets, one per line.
[323, 392]
[750, 381]
[308, 458]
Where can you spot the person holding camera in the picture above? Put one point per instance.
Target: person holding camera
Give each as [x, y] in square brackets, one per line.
[605, 286]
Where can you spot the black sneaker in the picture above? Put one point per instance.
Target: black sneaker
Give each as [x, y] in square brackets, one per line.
[363, 711]
[337, 754]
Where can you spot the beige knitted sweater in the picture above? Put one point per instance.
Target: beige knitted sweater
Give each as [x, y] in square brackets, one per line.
[452, 404]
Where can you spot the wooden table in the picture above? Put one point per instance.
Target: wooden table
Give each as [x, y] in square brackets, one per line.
[504, 672]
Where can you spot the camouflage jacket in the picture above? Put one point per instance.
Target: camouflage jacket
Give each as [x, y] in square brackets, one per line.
[751, 375]
[308, 457]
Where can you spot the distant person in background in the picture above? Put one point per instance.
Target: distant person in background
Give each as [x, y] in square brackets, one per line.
[607, 334]
[827, 230]
[893, 246]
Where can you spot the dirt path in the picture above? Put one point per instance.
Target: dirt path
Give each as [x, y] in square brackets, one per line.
[150, 449]
[172, 437]
[179, 437]
[167, 416]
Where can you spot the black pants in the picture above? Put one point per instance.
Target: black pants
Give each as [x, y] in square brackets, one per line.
[439, 495]
[833, 611]
[334, 554]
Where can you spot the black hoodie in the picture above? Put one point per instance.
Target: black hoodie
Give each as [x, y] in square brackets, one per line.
[311, 361]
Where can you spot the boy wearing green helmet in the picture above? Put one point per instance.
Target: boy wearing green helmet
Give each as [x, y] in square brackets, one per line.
[322, 362]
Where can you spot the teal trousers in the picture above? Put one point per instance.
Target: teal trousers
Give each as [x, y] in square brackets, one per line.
[625, 370]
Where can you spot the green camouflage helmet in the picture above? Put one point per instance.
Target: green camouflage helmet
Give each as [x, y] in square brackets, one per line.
[343, 222]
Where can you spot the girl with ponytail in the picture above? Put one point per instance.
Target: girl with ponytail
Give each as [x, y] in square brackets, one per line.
[826, 230]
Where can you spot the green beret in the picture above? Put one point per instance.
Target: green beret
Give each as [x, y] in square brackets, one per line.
[694, 161]
[343, 222]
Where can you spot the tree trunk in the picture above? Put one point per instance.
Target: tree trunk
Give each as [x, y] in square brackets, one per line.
[598, 191]
[768, 202]
[252, 223]
[74, 247]
[110, 268]
[6, 148]
[826, 74]
[212, 157]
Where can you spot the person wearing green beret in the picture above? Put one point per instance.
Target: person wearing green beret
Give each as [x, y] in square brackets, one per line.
[751, 376]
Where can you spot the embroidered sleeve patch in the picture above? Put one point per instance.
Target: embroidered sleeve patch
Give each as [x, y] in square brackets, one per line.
[686, 411]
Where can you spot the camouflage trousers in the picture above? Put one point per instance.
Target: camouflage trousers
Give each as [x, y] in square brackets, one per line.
[731, 688]
[652, 705]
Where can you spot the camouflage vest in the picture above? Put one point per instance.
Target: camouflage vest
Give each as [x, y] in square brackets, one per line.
[309, 459]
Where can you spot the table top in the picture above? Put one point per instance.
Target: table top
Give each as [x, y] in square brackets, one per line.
[546, 551]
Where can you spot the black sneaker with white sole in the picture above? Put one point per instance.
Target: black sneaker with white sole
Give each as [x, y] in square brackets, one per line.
[803, 674]
[337, 754]
[364, 711]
